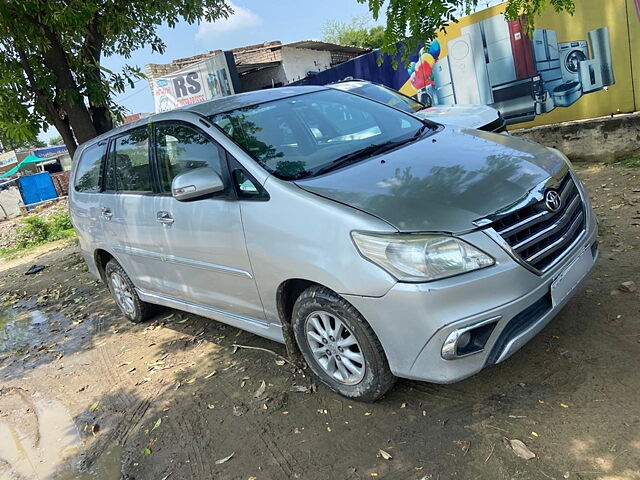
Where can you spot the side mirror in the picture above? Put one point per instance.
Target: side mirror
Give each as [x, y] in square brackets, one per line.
[196, 183]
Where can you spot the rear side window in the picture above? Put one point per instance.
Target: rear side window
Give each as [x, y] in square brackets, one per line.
[89, 170]
[131, 160]
[180, 148]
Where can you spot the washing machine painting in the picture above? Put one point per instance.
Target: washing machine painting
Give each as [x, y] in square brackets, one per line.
[571, 54]
[495, 62]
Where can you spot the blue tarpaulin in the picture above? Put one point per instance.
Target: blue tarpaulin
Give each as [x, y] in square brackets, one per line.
[37, 188]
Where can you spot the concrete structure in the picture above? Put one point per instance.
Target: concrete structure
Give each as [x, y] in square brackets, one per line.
[270, 64]
[604, 139]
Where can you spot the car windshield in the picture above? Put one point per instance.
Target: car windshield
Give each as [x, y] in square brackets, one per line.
[383, 94]
[308, 134]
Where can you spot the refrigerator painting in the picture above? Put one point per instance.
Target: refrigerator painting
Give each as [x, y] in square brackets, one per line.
[495, 62]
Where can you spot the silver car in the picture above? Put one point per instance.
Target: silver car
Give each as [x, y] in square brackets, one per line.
[482, 117]
[375, 243]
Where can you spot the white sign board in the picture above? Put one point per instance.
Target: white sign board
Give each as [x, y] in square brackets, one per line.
[194, 84]
[8, 158]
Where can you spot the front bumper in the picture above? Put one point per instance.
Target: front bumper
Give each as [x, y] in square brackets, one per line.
[413, 321]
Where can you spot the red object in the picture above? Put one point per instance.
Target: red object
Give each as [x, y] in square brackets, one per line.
[421, 77]
[522, 49]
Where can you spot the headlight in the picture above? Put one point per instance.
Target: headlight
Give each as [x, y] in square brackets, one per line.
[420, 258]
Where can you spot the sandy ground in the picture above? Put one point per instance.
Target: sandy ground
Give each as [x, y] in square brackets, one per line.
[85, 394]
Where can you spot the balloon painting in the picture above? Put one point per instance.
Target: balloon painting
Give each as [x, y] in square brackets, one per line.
[420, 71]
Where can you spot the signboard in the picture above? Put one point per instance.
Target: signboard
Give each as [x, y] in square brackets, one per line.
[8, 158]
[47, 152]
[194, 84]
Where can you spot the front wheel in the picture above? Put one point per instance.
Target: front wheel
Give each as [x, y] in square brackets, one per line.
[125, 295]
[339, 345]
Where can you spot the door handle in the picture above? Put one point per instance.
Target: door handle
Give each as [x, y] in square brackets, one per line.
[107, 213]
[164, 217]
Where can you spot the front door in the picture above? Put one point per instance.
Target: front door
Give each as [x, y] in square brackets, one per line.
[204, 252]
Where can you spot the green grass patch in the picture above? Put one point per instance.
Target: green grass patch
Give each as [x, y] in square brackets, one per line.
[35, 231]
[629, 161]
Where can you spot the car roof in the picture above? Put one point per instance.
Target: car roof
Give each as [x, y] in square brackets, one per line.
[212, 107]
[347, 85]
[241, 100]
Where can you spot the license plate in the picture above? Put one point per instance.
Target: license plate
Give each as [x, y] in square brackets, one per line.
[564, 283]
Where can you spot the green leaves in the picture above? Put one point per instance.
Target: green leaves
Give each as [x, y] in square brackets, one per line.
[414, 22]
[357, 33]
[69, 38]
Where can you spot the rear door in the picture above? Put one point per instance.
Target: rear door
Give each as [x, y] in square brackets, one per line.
[205, 256]
[127, 210]
[85, 191]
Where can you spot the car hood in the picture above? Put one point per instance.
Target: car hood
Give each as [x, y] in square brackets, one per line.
[442, 182]
[466, 116]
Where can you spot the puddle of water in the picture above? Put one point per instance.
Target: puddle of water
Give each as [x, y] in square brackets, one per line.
[17, 327]
[106, 467]
[48, 453]
[38, 454]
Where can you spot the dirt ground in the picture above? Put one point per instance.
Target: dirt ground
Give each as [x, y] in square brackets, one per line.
[84, 394]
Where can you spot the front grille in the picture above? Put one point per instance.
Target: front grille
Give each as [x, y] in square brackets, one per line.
[519, 324]
[541, 237]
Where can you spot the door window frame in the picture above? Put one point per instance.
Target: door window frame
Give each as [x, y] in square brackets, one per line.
[224, 162]
[103, 161]
[228, 163]
[110, 162]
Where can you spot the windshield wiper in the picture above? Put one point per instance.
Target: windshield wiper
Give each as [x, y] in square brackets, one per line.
[365, 152]
[370, 151]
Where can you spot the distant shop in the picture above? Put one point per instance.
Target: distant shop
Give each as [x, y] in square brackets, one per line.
[186, 81]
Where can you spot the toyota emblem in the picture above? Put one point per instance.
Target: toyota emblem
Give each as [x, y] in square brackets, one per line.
[553, 200]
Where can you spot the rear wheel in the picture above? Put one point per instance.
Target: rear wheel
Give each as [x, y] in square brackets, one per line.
[339, 345]
[125, 295]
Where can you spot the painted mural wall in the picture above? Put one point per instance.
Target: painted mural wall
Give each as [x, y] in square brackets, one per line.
[571, 67]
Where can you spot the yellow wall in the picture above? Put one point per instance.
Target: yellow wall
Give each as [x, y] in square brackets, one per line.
[633, 18]
[624, 26]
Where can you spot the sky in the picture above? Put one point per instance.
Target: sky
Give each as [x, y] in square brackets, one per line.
[254, 21]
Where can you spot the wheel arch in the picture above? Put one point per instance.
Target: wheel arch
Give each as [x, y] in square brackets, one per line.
[101, 257]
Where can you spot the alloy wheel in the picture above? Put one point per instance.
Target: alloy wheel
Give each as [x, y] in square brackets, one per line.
[335, 347]
[123, 294]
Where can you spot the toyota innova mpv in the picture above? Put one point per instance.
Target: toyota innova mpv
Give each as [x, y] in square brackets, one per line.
[378, 243]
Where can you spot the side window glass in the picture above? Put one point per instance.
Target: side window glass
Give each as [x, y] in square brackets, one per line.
[131, 157]
[181, 148]
[246, 187]
[89, 172]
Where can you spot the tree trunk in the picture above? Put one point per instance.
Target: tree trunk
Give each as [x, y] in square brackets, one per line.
[102, 120]
[50, 109]
[79, 118]
[91, 53]
[62, 125]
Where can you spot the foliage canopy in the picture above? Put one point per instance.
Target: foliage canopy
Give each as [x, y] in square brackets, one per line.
[51, 72]
[412, 22]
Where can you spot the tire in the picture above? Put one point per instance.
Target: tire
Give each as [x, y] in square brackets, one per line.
[124, 294]
[358, 371]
